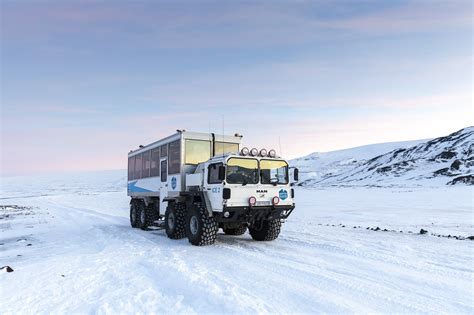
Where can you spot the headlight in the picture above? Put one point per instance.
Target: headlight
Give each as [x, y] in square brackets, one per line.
[272, 153]
[244, 151]
[252, 201]
[254, 152]
[263, 152]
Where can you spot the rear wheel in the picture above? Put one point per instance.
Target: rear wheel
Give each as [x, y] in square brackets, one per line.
[133, 214]
[152, 214]
[142, 216]
[175, 221]
[240, 230]
[201, 229]
[265, 230]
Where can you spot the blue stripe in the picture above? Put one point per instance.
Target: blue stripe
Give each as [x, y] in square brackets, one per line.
[132, 188]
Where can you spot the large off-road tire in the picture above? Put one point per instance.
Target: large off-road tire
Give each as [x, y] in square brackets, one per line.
[152, 214]
[142, 221]
[236, 231]
[175, 221]
[201, 229]
[133, 214]
[266, 230]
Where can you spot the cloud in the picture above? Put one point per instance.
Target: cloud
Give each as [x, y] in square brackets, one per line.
[62, 147]
[349, 83]
[211, 24]
[84, 82]
[32, 107]
[414, 16]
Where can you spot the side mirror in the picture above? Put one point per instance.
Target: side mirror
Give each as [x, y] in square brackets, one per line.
[295, 174]
[221, 172]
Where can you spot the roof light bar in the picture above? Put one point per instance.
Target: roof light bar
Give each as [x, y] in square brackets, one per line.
[245, 151]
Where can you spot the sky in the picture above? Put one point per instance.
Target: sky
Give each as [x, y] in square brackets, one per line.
[83, 82]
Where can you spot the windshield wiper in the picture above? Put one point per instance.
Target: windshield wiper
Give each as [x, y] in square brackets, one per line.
[244, 182]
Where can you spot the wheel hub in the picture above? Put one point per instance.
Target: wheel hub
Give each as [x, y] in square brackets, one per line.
[142, 216]
[171, 221]
[193, 225]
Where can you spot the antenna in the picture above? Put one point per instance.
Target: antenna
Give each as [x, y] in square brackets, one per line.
[279, 144]
[222, 134]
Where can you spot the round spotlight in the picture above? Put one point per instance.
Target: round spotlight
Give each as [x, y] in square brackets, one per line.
[275, 200]
[245, 151]
[254, 152]
[272, 153]
[263, 152]
[252, 201]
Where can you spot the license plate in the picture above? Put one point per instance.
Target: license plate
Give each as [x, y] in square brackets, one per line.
[262, 203]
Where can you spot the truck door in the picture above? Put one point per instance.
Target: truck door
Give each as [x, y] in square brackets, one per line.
[214, 186]
[164, 184]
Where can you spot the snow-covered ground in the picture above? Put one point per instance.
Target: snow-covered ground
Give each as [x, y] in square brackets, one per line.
[69, 242]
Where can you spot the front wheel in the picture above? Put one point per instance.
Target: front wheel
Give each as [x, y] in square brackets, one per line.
[201, 229]
[266, 230]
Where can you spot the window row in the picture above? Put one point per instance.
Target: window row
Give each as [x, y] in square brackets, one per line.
[147, 164]
[198, 151]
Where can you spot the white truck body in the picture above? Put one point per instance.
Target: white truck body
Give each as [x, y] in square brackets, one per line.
[195, 183]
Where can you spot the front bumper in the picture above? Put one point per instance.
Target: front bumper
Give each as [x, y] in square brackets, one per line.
[255, 213]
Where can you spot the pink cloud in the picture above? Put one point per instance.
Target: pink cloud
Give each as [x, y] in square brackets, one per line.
[256, 24]
[412, 17]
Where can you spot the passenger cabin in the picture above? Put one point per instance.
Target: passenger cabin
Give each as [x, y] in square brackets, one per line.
[162, 165]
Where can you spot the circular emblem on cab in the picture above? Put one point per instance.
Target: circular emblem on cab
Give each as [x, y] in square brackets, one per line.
[283, 194]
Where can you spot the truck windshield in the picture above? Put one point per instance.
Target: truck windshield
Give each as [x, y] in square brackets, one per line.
[274, 172]
[242, 171]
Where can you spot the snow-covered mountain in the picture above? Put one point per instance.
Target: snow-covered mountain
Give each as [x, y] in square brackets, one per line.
[444, 160]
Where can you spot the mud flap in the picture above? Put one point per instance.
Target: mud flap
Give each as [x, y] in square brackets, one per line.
[207, 202]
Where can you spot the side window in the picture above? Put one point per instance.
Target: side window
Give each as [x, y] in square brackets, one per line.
[164, 150]
[138, 166]
[213, 174]
[174, 157]
[155, 162]
[131, 167]
[146, 164]
[225, 147]
[196, 151]
[164, 175]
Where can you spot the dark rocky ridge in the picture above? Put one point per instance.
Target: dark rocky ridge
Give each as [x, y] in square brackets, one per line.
[443, 160]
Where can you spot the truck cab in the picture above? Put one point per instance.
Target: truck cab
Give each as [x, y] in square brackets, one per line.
[248, 190]
[238, 187]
